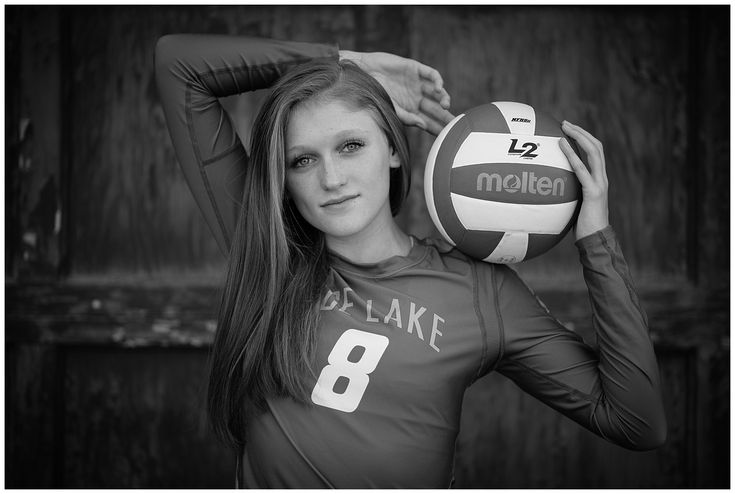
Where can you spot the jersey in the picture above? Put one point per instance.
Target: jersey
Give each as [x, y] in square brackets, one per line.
[401, 340]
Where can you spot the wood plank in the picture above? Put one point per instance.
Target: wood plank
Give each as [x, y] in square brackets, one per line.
[710, 146]
[32, 440]
[34, 143]
[137, 214]
[137, 419]
[121, 341]
[619, 72]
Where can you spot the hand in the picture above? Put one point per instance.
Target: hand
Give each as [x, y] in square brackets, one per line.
[417, 90]
[593, 215]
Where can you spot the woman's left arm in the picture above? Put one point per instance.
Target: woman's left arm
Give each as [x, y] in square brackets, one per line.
[614, 391]
[593, 215]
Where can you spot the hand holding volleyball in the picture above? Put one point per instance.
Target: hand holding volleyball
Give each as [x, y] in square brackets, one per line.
[593, 214]
[417, 90]
[497, 184]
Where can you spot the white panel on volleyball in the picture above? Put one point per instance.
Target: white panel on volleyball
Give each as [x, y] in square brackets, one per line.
[483, 215]
[490, 147]
[511, 248]
[520, 117]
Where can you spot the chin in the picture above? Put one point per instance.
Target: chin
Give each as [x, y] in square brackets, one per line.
[342, 231]
[343, 228]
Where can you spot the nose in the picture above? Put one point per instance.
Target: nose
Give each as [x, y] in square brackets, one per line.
[332, 177]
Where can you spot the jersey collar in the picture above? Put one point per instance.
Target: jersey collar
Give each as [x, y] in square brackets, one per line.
[381, 269]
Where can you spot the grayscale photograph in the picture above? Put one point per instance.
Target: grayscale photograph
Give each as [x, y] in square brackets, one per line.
[367, 246]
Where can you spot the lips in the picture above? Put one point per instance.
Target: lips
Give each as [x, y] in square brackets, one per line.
[338, 200]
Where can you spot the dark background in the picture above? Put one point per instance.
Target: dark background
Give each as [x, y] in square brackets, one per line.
[112, 276]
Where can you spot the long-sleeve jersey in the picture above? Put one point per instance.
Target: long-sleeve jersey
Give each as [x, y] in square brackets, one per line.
[401, 340]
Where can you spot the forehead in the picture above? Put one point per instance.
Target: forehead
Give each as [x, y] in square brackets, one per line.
[317, 118]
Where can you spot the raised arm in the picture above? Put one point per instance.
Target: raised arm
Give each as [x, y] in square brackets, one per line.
[192, 72]
[614, 392]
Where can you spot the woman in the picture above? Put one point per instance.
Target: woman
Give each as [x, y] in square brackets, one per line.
[344, 345]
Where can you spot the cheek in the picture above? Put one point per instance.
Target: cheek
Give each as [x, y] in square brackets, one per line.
[298, 189]
[293, 186]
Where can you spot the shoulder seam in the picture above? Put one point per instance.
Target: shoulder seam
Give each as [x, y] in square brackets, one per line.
[631, 291]
[586, 396]
[265, 66]
[480, 319]
[501, 327]
[221, 155]
[205, 179]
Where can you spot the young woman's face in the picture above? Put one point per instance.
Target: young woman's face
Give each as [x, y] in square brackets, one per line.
[338, 165]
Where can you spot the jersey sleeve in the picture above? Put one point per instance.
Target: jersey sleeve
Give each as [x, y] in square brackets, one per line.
[193, 72]
[613, 391]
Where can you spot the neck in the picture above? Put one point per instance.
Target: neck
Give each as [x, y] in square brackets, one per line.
[372, 245]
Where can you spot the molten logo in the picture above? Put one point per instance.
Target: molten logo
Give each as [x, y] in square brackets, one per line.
[526, 183]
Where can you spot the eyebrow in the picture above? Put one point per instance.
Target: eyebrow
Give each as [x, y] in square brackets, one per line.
[339, 136]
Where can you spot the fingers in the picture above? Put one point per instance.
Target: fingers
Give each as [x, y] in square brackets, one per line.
[434, 87]
[435, 112]
[432, 123]
[441, 97]
[434, 127]
[594, 181]
[580, 170]
[591, 146]
[410, 118]
[432, 75]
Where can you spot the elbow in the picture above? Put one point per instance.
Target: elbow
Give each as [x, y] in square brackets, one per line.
[168, 52]
[654, 440]
[163, 50]
[658, 435]
[652, 437]
[657, 431]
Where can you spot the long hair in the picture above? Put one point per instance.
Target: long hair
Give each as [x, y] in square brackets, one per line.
[278, 265]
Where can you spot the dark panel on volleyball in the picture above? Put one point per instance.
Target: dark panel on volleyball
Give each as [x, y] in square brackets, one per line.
[487, 118]
[479, 244]
[515, 183]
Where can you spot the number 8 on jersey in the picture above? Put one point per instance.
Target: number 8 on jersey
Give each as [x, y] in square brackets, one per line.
[356, 373]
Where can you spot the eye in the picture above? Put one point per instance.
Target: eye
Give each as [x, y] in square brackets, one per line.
[301, 161]
[352, 146]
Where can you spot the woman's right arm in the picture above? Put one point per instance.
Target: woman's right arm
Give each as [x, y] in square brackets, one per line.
[192, 72]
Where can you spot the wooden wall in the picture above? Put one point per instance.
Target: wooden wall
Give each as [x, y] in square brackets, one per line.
[111, 273]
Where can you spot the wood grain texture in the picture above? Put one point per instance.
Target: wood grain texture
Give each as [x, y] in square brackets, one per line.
[31, 419]
[110, 378]
[137, 419]
[33, 152]
[103, 374]
[709, 244]
[618, 72]
[625, 73]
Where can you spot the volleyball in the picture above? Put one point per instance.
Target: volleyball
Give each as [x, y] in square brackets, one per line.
[497, 185]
